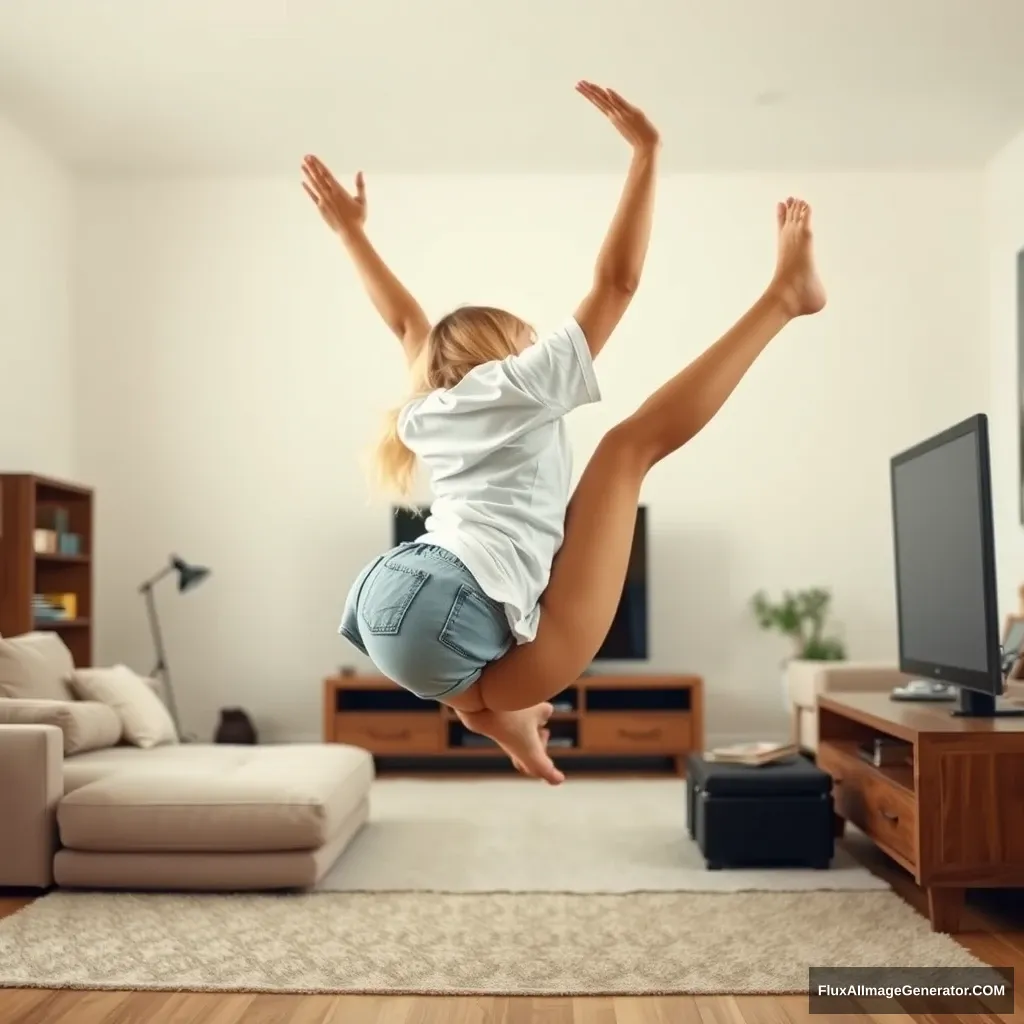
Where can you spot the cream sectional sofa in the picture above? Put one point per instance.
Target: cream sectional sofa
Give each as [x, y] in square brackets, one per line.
[84, 805]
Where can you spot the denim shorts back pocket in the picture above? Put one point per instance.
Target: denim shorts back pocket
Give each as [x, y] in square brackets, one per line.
[388, 595]
[476, 627]
[349, 627]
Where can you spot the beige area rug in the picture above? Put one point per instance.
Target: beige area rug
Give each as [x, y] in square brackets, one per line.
[588, 836]
[499, 944]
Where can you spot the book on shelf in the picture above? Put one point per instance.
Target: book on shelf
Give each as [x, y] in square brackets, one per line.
[887, 752]
[754, 754]
[55, 607]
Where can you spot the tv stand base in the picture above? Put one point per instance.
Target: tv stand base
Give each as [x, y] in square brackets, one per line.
[984, 705]
[999, 712]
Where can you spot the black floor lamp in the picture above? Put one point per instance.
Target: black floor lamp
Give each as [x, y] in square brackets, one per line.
[189, 576]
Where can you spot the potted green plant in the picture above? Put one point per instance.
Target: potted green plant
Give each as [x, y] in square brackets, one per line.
[801, 616]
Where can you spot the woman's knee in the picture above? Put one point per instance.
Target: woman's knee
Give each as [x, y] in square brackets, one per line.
[629, 445]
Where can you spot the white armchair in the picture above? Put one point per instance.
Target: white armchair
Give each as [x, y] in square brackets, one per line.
[805, 680]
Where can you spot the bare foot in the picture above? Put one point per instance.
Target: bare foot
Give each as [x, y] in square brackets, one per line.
[523, 735]
[796, 279]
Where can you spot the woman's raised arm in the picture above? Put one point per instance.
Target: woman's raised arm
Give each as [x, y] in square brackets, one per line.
[345, 215]
[621, 260]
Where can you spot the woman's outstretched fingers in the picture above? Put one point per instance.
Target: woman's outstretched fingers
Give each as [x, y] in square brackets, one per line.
[629, 121]
[619, 104]
[596, 96]
[339, 208]
[322, 178]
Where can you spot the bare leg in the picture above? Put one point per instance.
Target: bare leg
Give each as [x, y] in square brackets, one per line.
[586, 580]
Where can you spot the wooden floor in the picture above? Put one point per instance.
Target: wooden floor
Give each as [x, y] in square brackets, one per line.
[996, 935]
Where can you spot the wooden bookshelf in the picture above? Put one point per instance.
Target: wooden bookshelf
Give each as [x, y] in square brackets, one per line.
[631, 723]
[27, 503]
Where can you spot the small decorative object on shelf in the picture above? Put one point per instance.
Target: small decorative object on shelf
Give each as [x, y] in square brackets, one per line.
[44, 542]
[236, 727]
[885, 752]
[53, 533]
[69, 544]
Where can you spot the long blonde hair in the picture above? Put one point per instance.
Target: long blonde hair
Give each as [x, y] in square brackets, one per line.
[460, 341]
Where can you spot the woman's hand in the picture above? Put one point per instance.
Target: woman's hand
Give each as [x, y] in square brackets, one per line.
[341, 210]
[345, 214]
[629, 121]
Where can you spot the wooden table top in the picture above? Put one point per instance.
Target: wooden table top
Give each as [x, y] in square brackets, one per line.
[908, 719]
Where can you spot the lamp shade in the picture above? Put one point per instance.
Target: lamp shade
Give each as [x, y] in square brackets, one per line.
[189, 576]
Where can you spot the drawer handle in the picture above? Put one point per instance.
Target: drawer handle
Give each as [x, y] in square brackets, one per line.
[403, 735]
[650, 734]
[889, 816]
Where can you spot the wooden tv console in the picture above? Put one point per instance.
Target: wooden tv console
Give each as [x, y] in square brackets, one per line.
[607, 723]
[952, 813]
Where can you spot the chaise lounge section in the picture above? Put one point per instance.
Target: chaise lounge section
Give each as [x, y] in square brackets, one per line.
[168, 816]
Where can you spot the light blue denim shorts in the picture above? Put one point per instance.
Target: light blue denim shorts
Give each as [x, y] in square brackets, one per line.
[419, 615]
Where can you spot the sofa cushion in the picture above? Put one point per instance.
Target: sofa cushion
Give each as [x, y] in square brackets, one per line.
[176, 758]
[146, 721]
[274, 798]
[86, 725]
[35, 666]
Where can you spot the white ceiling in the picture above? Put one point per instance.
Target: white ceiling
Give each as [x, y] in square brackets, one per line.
[486, 85]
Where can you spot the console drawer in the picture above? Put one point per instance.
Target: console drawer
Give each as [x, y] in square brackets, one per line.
[390, 733]
[637, 733]
[879, 807]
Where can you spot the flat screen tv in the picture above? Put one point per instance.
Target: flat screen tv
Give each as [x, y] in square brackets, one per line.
[627, 640]
[944, 545]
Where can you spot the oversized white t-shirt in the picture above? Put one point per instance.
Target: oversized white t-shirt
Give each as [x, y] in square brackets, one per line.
[496, 449]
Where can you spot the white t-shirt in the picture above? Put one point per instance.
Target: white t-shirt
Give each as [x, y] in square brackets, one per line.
[497, 451]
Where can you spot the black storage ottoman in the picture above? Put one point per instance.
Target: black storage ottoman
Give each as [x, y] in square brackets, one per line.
[775, 815]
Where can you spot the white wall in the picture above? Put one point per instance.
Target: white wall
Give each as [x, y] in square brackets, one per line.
[1004, 194]
[36, 222]
[230, 372]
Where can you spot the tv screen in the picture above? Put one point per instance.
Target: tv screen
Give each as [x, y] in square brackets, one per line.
[945, 564]
[628, 638]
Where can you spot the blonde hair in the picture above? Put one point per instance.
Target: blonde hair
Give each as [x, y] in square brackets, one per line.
[465, 338]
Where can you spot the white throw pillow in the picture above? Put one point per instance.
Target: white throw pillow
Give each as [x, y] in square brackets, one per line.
[147, 723]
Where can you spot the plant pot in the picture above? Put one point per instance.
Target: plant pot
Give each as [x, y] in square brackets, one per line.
[800, 682]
